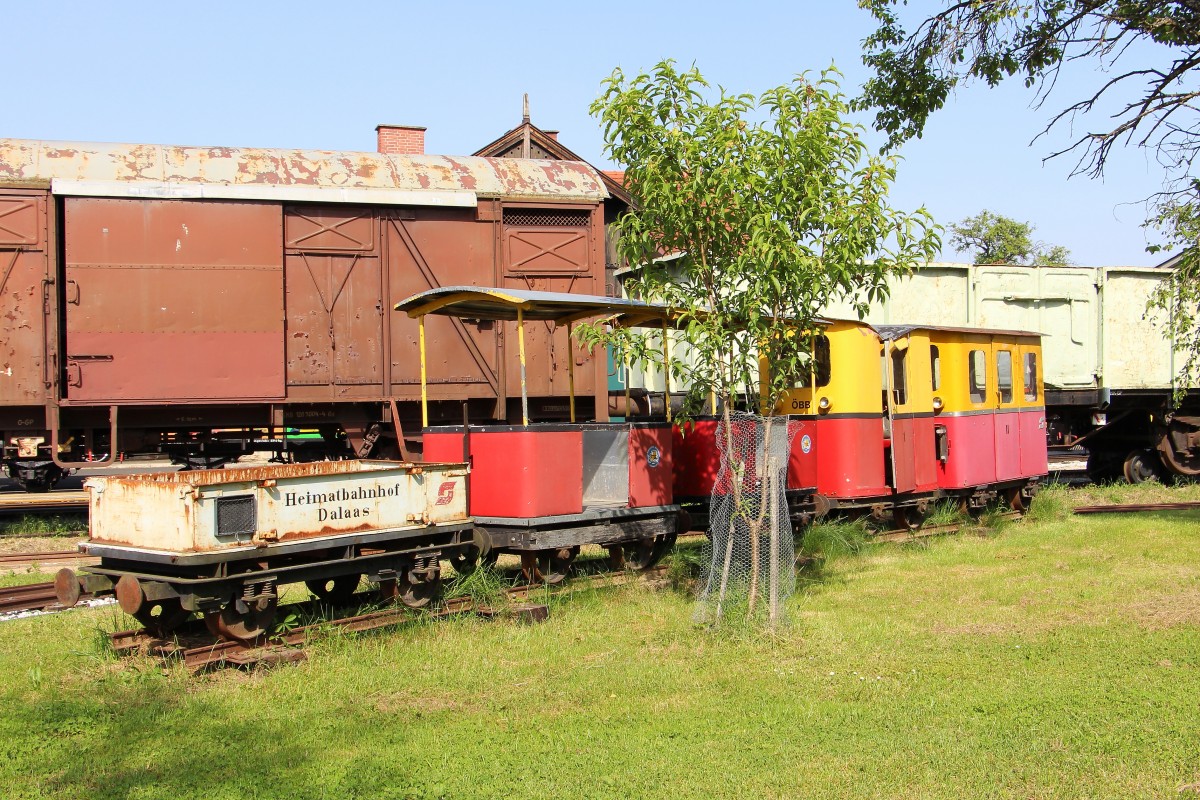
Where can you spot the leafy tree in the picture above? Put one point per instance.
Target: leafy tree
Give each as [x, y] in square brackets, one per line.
[773, 207]
[1143, 57]
[997, 239]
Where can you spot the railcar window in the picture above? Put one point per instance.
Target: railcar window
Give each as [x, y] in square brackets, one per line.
[824, 365]
[899, 377]
[1031, 376]
[935, 359]
[819, 365]
[1004, 375]
[977, 375]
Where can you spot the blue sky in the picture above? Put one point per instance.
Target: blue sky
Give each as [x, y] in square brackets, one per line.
[322, 76]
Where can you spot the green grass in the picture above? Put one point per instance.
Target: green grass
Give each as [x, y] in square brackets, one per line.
[45, 525]
[1051, 658]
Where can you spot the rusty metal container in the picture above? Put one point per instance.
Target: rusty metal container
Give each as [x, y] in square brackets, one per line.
[263, 508]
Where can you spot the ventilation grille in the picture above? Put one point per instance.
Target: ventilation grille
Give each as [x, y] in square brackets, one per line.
[236, 516]
[547, 219]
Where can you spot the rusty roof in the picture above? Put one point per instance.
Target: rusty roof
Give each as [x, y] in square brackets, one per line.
[258, 169]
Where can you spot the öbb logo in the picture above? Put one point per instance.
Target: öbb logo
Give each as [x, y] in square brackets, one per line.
[445, 493]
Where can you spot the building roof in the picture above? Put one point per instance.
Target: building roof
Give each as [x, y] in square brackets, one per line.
[529, 141]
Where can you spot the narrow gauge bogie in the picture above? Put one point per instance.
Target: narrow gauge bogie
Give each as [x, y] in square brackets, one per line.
[223, 542]
[217, 297]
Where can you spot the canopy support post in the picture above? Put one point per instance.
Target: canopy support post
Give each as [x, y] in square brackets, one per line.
[571, 371]
[666, 369]
[424, 383]
[521, 353]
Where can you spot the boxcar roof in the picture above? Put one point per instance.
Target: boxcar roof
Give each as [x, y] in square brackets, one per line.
[169, 171]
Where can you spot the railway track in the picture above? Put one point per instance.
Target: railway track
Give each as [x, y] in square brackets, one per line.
[198, 651]
[32, 597]
[48, 558]
[66, 500]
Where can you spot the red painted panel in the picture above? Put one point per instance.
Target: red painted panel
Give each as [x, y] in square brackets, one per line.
[803, 459]
[517, 472]
[926, 467]
[904, 457]
[650, 465]
[972, 457]
[850, 461]
[1033, 443]
[1008, 445]
[694, 457]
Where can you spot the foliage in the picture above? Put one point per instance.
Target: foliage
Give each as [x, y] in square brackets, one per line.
[1143, 57]
[991, 40]
[1175, 302]
[747, 210]
[997, 239]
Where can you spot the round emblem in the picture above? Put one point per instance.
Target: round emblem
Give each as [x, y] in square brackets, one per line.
[806, 443]
[653, 456]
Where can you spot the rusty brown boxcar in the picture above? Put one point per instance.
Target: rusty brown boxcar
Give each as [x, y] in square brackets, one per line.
[202, 300]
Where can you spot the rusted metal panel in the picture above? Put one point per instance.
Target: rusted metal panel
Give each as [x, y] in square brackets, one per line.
[547, 241]
[253, 173]
[23, 274]
[442, 248]
[334, 319]
[173, 300]
[329, 228]
[236, 509]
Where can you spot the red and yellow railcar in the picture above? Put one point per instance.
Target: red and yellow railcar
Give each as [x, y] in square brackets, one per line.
[990, 414]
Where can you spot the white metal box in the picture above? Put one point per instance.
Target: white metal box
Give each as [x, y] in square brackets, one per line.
[212, 511]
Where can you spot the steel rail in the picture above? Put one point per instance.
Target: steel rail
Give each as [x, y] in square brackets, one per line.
[32, 597]
[1133, 508]
[65, 500]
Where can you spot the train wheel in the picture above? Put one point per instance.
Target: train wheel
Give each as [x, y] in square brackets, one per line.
[335, 591]
[466, 560]
[1015, 500]
[233, 624]
[418, 590]
[970, 511]
[909, 518]
[1141, 466]
[161, 617]
[548, 566]
[645, 553]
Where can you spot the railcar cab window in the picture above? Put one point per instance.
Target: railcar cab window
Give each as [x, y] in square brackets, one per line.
[899, 377]
[935, 361]
[819, 369]
[1004, 375]
[1031, 376]
[977, 376]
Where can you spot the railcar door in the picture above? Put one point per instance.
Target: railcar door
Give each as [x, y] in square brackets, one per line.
[335, 307]
[23, 285]
[173, 300]
[1033, 410]
[900, 419]
[1006, 359]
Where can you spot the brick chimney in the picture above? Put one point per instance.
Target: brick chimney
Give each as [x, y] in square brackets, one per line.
[552, 134]
[401, 139]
